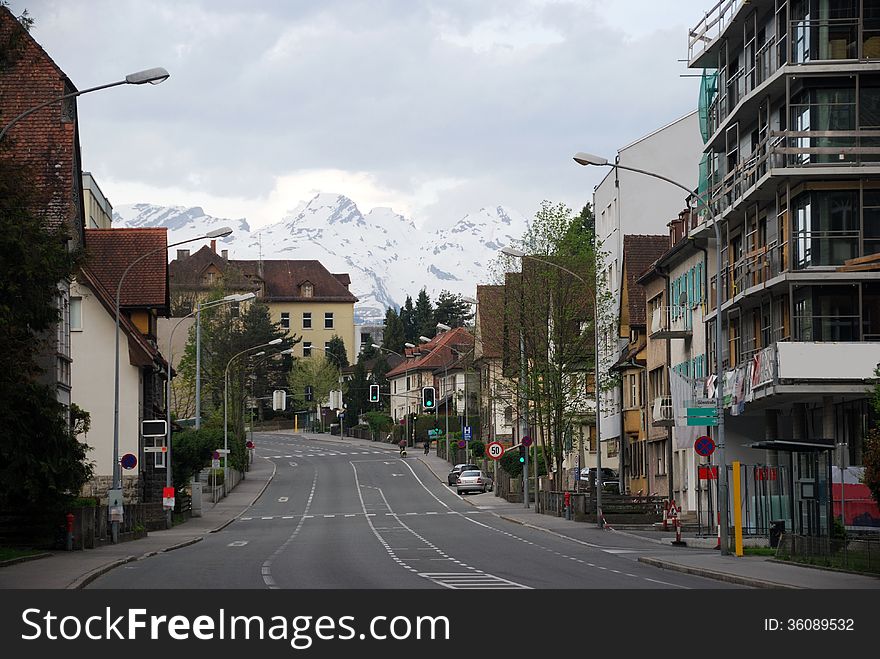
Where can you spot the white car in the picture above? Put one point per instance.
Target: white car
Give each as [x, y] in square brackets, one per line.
[473, 481]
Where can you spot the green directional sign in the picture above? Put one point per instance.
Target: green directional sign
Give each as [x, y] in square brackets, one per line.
[702, 416]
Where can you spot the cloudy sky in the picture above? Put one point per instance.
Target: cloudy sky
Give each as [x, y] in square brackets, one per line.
[432, 107]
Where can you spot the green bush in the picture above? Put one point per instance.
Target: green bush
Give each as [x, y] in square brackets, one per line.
[191, 452]
[478, 449]
[510, 463]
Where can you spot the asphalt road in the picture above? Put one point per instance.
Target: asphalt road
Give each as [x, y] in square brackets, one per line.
[353, 515]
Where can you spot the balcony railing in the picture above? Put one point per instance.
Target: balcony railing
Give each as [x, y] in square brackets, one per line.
[794, 149]
[713, 24]
[671, 322]
[662, 413]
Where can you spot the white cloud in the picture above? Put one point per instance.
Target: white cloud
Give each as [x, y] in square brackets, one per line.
[431, 108]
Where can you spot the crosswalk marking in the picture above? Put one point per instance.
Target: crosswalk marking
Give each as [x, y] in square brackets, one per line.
[350, 515]
[473, 581]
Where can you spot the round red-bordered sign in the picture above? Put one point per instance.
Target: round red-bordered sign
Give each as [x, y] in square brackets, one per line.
[495, 450]
[704, 446]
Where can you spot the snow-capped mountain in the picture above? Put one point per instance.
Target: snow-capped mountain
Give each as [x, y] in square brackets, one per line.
[385, 254]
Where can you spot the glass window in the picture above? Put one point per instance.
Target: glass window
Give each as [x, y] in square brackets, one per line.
[285, 320]
[826, 228]
[307, 290]
[76, 313]
[307, 320]
[328, 320]
[826, 313]
[307, 348]
[871, 312]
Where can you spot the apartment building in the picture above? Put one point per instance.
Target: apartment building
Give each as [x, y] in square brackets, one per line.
[790, 115]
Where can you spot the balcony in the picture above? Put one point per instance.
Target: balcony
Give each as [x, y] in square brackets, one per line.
[671, 322]
[662, 413]
[794, 151]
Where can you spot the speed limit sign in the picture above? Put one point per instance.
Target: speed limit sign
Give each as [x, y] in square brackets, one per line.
[495, 450]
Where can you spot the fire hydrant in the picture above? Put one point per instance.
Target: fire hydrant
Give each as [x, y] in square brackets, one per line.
[567, 500]
[69, 518]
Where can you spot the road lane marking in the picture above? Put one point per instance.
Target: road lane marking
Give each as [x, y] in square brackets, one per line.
[237, 543]
[267, 564]
[282, 499]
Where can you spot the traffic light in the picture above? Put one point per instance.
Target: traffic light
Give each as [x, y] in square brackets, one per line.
[428, 398]
[522, 453]
[374, 393]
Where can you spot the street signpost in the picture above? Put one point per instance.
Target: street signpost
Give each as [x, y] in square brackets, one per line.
[155, 449]
[128, 461]
[154, 428]
[168, 497]
[526, 441]
[462, 443]
[495, 450]
[702, 416]
[467, 433]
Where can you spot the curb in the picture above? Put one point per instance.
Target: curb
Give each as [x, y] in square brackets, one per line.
[81, 582]
[259, 494]
[550, 531]
[24, 559]
[712, 574]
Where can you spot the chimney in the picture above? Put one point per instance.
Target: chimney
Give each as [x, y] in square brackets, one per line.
[182, 254]
[225, 254]
[214, 246]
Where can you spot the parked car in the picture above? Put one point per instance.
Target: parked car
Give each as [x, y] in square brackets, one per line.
[452, 478]
[609, 476]
[473, 480]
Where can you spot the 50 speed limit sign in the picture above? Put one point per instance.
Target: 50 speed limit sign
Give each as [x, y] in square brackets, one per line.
[495, 450]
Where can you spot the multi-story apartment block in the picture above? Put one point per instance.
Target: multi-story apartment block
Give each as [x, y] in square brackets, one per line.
[497, 393]
[790, 115]
[98, 209]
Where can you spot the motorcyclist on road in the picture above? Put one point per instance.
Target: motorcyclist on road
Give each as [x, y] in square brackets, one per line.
[402, 445]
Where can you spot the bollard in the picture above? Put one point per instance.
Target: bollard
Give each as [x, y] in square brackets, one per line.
[567, 499]
[678, 541]
[69, 518]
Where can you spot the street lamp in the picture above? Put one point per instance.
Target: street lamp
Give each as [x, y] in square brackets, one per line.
[273, 342]
[512, 251]
[589, 159]
[198, 313]
[117, 475]
[226, 300]
[153, 76]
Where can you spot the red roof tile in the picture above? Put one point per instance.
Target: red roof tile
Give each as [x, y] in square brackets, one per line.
[437, 353]
[639, 253]
[111, 251]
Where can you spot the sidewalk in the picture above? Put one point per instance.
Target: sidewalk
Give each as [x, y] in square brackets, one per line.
[76, 569]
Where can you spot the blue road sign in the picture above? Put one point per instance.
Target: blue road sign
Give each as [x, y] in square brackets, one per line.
[467, 433]
[704, 446]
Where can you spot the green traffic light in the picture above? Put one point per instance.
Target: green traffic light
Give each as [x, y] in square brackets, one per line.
[522, 459]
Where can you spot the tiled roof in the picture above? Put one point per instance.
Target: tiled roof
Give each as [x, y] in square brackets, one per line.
[111, 251]
[282, 280]
[435, 354]
[490, 322]
[141, 351]
[639, 253]
[44, 144]
[186, 273]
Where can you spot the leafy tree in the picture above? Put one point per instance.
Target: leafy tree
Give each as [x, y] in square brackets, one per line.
[452, 310]
[226, 332]
[394, 336]
[357, 395]
[317, 373]
[407, 318]
[871, 448]
[379, 423]
[423, 317]
[367, 349]
[42, 463]
[336, 352]
[380, 371]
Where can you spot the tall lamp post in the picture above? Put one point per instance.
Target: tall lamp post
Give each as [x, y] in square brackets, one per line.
[511, 251]
[226, 300]
[585, 159]
[117, 475]
[273, 342]
[152, 76]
